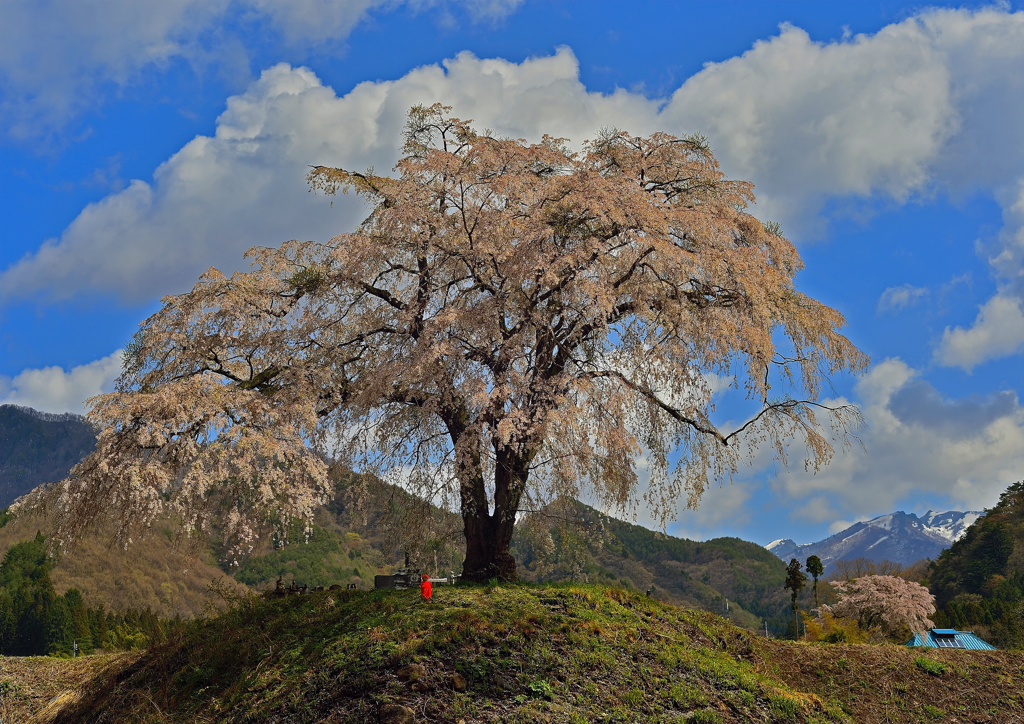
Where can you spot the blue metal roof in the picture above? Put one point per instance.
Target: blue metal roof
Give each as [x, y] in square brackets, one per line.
[949, 638]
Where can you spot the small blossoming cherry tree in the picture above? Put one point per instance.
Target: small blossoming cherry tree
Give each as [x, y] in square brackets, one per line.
[893, 604]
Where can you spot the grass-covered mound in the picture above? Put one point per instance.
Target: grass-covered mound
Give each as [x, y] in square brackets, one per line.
[564, 653]
[568, 653]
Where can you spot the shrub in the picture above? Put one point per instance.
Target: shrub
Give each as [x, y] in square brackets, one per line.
[930, 666]
[833, 629]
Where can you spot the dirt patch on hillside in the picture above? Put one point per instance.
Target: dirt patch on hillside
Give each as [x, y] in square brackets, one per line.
[34, 688]
[900, 684]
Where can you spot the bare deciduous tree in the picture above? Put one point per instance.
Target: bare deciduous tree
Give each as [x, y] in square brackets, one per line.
[511, 323]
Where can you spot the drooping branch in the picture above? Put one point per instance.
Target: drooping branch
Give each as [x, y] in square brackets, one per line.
[463, 330]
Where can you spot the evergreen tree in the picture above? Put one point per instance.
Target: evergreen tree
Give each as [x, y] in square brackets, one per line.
[8, 621]
[795, 579]
[80, 620]
[28, 595]
[815, 568]
[58, 628]
[98, 628]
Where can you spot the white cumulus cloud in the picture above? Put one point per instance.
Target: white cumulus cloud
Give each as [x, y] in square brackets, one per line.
[244, 185]
[61, 57]
[51, 389]
[896, 299]
[917, 444]
[806, 121]
[997, 332]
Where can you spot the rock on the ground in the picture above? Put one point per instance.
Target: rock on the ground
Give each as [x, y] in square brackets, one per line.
[458, 682]
[412, 672]
[396, 714]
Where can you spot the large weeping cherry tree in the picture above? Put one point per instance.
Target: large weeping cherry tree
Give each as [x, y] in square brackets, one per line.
[513, 323]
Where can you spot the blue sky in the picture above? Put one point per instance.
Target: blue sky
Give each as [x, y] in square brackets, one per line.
[141, 143]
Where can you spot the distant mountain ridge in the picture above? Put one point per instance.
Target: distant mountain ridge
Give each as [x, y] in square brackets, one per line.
[39, 447]
[737, 578]
[899, 537]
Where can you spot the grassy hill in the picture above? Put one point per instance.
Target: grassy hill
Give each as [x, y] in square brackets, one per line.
[566, 653]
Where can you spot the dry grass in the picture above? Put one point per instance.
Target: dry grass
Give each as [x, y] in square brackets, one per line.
[33, 689]
[889, 683]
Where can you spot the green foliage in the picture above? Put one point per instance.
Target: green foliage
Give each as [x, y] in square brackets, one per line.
[325, 558]
[795, 580]
[979, 581]
[26, 595]
[930, 666]
[541, 689]
[784, 708]
[815, 568]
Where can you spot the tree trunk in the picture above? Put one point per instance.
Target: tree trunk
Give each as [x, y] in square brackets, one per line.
[487, 549]
[489, 535]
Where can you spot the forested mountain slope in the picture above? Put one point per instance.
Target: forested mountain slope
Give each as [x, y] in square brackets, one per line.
[153, 573]
[979, 582]
[37, 447]
[732, 577]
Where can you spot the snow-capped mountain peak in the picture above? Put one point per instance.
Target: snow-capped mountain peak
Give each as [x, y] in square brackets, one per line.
[900, 537]
[951, 525]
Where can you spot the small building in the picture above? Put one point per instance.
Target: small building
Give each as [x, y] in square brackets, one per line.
[949, 638]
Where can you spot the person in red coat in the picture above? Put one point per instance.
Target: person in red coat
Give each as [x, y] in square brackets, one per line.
[425, 588]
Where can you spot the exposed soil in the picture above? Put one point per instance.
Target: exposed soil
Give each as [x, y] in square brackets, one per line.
[891, 683]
